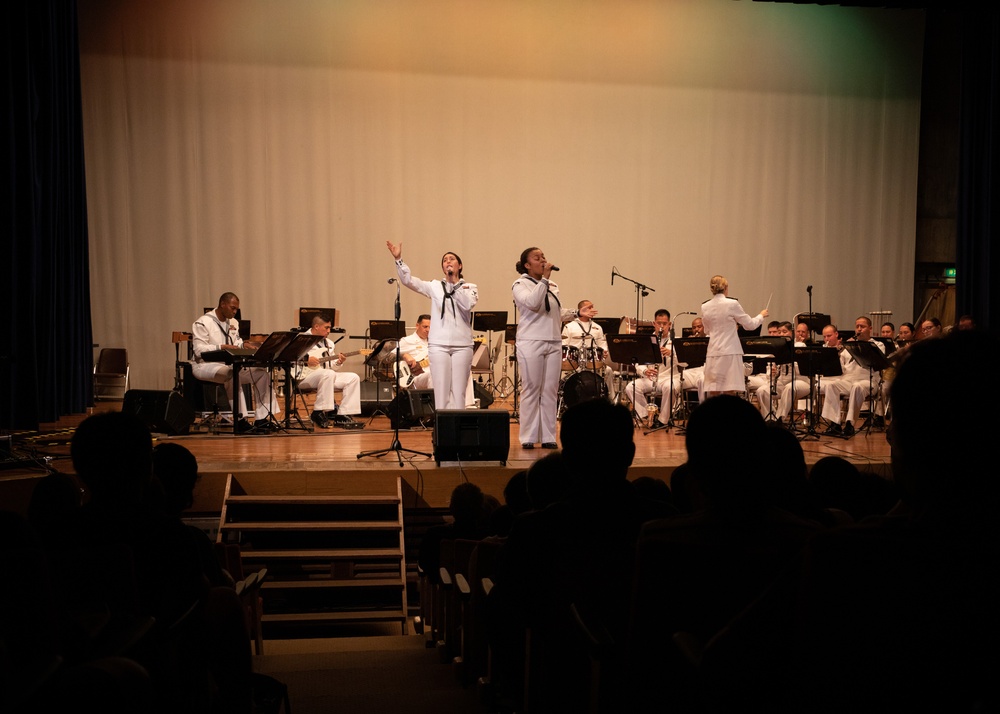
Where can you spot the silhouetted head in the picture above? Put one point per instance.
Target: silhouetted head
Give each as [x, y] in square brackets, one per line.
[112, 455]
[597, 440]
[176, 468]
[723, 435]
[941, 433]
[547, 481]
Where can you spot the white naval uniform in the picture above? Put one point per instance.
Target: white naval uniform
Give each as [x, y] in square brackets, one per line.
[539, 356]
[326, 380]
[854, 383]
[209, 333]
[636, 392]
[724, 357]
[586, 336]
[419, 350]
[449, 343]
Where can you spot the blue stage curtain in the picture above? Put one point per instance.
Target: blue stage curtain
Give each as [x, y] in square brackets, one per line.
[46, 355]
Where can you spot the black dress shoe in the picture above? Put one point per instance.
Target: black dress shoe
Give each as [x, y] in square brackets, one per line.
[833, 430]
[243, 426]
[320, 420]
[527, 446]
[848, 429]
[549, 445]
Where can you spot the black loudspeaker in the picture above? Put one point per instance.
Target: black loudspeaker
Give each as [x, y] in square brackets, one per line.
[163, 412]
[412, 407]
[472, 435]
[484, 395]
[376, 396]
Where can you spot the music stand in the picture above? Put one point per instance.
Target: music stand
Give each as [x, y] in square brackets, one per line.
[777, 351]
[815, 321]
[386, 329]
[610, 325]
[868, 355]
[633, 350]
[509, 338]
[816, 361]
[490, 322]
[691, 351]
[306, 315]
[295, 350]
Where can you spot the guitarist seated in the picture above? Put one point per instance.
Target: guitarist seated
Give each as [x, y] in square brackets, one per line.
[320, 373]
[414, 366]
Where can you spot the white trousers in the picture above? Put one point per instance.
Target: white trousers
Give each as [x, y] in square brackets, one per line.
[327, 382]
[221, 373]
[540, 365]
[451, 375]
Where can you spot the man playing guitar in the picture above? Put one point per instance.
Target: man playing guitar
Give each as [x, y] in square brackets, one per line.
[320, 373]
[414, 366]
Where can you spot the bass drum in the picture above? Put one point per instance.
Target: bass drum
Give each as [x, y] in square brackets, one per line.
[582, 386]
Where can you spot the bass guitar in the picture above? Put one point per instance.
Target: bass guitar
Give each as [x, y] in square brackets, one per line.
[405, 373]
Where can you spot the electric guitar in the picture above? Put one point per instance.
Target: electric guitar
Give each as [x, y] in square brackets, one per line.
[334, 358]
[406, 373]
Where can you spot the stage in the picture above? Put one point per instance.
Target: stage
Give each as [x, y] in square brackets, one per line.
[330, 458]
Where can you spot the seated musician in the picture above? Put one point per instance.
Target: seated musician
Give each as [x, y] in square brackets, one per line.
[320, 373]
[414, 351]
[219, 330]
[656, 378]
[415, 373]
[587, 338]
[854, 383]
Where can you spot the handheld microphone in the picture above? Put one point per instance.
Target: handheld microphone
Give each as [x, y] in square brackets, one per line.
[555, 268]
[391, 281]
[449, 270]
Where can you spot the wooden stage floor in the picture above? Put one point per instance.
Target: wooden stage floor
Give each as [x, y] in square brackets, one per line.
[334, 454]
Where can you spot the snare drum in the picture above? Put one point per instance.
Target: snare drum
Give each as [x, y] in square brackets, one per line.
[570, 358]
[591, 355]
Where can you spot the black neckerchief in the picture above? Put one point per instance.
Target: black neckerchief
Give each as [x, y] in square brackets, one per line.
[547, 293]
[448, 296]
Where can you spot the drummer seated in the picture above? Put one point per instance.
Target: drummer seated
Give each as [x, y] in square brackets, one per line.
[585, 346]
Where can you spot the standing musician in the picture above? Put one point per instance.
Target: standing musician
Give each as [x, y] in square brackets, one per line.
[218, 330]
[657, 379]
[538, 346]
[724, 360]
[586, 336]
[320, 373]
[450, 338]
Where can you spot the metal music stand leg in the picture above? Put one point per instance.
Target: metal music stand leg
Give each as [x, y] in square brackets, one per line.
[395, 446]
[292, 396]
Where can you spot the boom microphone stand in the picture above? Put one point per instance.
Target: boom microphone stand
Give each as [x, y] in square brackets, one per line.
[395, 446]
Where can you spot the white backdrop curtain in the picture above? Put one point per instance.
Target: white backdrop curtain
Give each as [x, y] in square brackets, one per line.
[271, 147]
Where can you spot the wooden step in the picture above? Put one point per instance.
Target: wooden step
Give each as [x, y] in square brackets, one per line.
[331, 584]
[359, 616]
[311, 526]
[326, 554]
[314, 500]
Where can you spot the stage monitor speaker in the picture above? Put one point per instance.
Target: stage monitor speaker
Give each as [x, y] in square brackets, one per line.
[375, 396]
[412, 407]
[472, 435]
[484, 395]
[164, 412]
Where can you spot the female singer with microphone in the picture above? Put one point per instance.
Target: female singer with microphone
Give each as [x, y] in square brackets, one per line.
[449, 342]
[539, 346]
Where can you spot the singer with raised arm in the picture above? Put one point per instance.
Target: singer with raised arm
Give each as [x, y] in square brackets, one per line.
[218, 330]
[724, 358]
[539, 346]
[449, 343]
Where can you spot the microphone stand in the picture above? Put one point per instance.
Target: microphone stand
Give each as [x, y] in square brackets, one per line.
[810, 430]
[395, 446]
[641, 290]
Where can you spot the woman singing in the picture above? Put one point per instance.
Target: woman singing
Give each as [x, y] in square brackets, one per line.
[724, 358]
[539, 347]
[449, 343]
